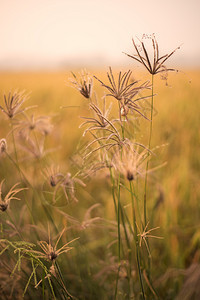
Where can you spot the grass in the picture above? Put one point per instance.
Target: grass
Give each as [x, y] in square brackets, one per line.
[91, 270]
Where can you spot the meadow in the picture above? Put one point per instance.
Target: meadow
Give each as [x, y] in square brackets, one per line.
[77, 199]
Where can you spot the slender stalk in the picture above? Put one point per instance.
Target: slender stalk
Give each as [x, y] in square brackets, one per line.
[118, 219]
[150, 136]
[136, 241]
[128, 246]
[69, 296]
[113, 189]
[147, 166]
[123, 216]
[119, 234]
[121, 121]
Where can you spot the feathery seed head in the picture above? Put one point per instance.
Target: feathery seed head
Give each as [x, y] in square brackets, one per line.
[53, 175]
[3, 146]
[4, 202]
[13, 103]
[129, 161]
[50, 252]
[41, 124]
[64, 183]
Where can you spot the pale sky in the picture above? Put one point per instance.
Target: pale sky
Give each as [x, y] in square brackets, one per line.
[57, 33]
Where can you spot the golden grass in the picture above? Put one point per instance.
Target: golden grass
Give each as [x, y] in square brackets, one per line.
[174, 202]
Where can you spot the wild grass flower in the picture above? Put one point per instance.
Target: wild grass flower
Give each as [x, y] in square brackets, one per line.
[62, 182]
[104, 132]
[5, 201]
[53, 175]
[94, 168]
[111, 140]
[125, 91]
[153, 65]
[50, 252]
[13, 103]
[31, 146]
[130, 106]
[40, 124]
[34, 146]
[68, 186]
[3, 146]
[114, 140]
[99, 121]
[145, 235]
[130, 161]
[122, 89]
[83, 84]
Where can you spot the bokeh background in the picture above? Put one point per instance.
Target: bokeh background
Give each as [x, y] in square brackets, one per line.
[40, 43]
[61, 33]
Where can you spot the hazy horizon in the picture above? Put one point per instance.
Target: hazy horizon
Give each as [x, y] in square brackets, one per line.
[58, 34]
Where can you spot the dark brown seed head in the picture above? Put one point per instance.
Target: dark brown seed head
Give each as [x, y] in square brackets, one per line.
[3, 206]
[129, 175]
[53, 181]
[3, 146]
[52, 255]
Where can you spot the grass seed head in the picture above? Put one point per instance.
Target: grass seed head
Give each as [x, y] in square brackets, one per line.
[122, 88]
[3, 146]
[125, 90]
[5, 201]
[129, 161]
[155, 64]
[13, 103]
[83, 84]
[40, 124]
[51, 252]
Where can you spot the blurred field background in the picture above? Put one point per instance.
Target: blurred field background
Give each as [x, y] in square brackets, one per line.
[177, 133]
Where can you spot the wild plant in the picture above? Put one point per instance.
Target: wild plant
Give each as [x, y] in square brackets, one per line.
[110, 151]
[127, 159]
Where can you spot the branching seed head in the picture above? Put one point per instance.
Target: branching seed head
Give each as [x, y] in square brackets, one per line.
[4, 202]
[84, 84]
[13, 103]
[155, 64]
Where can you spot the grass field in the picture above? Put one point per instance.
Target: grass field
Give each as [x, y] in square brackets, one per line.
[91, 269]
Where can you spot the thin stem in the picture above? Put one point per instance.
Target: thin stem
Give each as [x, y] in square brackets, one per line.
[123, 215]
[120, 118]
[113, 189]
[62, 281]
[119, 234]
[136, 241]
[147, 166]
